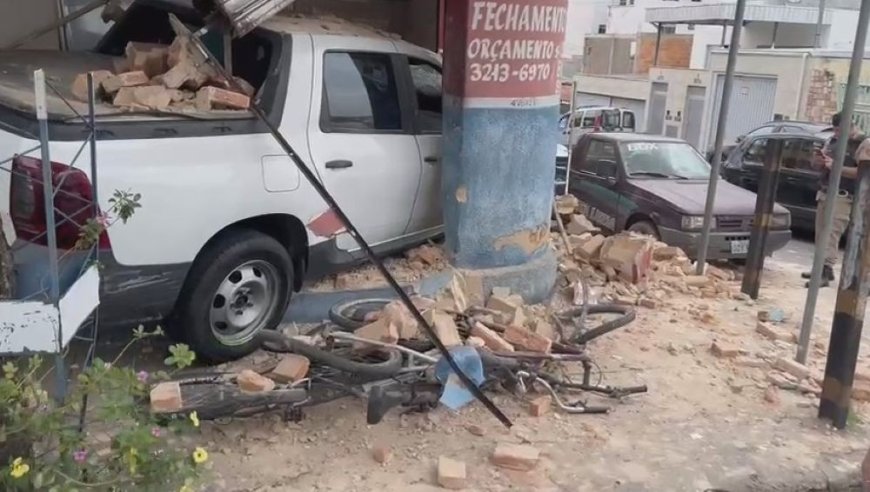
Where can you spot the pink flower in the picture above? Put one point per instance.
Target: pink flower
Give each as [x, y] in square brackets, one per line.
[142, 376]
[155, 431]
[80, 456]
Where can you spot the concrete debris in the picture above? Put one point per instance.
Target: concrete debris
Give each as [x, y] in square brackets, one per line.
[589, 248]
[251, 382]
[503, 292]
[724, 350]
[666, 253]
[516, 456]
[695, 280]
[398, 315]
[444, 326]
[426, 254]
[545, 329]
[629, 255]
[772, 333]
[540, 406]
[209, 98]
[566, 204]
[451, 473]
[782, 381]
[792, 367]
[491, 339]
[146, 97]
[527, 340]
[80, 84]
[579, 225]
[504, 305]
[166, 397]
[147, 57]
[292, 368]
[382, 454]
[382, 330]
[750, 362]
[475, 430]
[113, 84]
[771, 395]
[476, 342]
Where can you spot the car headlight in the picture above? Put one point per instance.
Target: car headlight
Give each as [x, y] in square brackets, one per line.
[781, 221]
[694, 222]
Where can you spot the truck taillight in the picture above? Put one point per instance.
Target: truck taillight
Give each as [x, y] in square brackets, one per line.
[73, 205]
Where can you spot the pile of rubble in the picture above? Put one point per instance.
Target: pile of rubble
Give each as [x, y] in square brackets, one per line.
[156, 77]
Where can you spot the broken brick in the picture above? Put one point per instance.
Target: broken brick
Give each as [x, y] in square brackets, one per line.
[153, 97]
[475, 430]
[251, 382]
[451, 473]
[502, 292]
[492, 340]
[667, 253]
[382, 330]
[540, 406]
[695, 280]
[502, 305]
[772, 333]
[444, 326]
[515, 456]
[566, 204]
[292, 368]
[80, 84]
[579, 225]
[147, 57]
[545, 329]
[426, 254]
[382, 454]
[166, 397]
[792, 367]
[216, 98]
[475, 342]
[724, 350]
[629, 255]
[649, 303]
[527, 340]
[771, 395]
[120, 65]
[590, 248]
[113, 84]
[396, 313]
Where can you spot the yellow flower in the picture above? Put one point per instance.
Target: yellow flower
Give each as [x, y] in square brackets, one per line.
[200, 456]
[19, 468]
[133, 460]
[194, 418]
[185, 488]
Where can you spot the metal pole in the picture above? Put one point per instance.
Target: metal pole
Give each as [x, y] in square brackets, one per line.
[763, 214]
[849, 311]
[570, 124]
[819, 20]
[720, 133]
[834, 181]
[50, 233]
[658, 44]
[724, 33]
[773, 38]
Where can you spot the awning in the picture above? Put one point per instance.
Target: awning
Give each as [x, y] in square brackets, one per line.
[723, 14]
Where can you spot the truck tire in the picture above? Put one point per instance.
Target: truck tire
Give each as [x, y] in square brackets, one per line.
[645, 227]
[238, 286]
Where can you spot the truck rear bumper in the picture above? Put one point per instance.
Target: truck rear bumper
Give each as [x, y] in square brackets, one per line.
[722, 244]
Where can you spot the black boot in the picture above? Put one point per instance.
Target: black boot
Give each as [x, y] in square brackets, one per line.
[827, 276]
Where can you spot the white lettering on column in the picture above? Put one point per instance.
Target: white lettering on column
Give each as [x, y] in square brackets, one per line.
[478, 15]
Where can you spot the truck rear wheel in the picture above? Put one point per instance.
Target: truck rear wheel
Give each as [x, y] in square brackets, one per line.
[239, 286]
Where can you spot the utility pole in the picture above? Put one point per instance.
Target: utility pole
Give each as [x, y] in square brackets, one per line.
[819, 20]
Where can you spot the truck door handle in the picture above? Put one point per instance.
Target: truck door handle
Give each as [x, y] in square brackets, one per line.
[432, 159]
[339, 164]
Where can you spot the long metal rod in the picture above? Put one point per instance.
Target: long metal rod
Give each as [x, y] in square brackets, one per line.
[51, 233]
[570, 124]
[30, 36]
[720, 134]
[658, 44]
[819, 20]
[834, 182]
[352, 230]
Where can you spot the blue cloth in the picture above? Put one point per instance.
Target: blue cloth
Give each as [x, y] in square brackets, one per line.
[455, 395]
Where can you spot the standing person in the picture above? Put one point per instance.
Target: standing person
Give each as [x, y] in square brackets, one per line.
[842, 197]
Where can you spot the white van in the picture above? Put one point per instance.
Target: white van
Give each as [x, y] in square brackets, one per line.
[588, 119]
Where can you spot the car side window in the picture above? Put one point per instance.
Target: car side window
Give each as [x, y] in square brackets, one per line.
[764, 130]
[797, 154]
[755, 152]
[628, 120]
[427, 89]
[588, 119]
[600, 158]
[360, 93]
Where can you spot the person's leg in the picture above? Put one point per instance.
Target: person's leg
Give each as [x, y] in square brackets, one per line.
[842, 211]
[820, 207]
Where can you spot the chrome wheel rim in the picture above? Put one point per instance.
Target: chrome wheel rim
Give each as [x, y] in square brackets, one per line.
[243, 302]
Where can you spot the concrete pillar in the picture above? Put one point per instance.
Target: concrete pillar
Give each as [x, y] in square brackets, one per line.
[501, 72]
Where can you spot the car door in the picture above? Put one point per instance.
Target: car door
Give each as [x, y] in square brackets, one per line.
[751, 163]
[425, 81]
[360, 136]
[594, 174]
[798, 180]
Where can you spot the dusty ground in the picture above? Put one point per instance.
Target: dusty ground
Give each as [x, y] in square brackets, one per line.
[706, 422]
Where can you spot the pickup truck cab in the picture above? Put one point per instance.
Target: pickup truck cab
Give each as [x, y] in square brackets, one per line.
[226, 230]
[658, 186]
[588, 119]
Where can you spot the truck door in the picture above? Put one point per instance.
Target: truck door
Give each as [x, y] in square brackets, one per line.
[594, 178]
[360, 135]
[425, 78]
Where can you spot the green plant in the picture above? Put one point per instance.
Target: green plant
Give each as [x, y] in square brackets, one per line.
[123, 205]
[125, 447]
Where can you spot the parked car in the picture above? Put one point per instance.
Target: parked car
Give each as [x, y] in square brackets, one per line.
[658, 186]
[798, 182]
[596, 119]
[820, 130]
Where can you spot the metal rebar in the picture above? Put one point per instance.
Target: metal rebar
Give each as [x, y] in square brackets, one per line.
[764, 203]
[570, 124]
[833, 183]
[739, 10]
[51, 233]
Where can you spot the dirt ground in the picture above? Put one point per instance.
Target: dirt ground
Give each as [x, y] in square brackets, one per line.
[706, 423]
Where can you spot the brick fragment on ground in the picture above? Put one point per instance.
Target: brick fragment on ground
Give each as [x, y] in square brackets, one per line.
[516, 456]
[493, 340]
[147, 57]
[792, 367]
[579, 225]
[251, 382]
[381, 330]
[724, 350]
[451, 473]
[771, 332]
[444, 326]
[291, 368]
[629, 255]
[113, 84]
[527, 340]
[166, 397]
[209, 98]
[382, 454]
[540, 406]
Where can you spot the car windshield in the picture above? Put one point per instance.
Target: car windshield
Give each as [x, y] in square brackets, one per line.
[672, 160]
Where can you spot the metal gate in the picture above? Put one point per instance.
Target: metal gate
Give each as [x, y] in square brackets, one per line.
[751, 106]
[636, 106]
[658, 100]
[587, 99]
[693, 116]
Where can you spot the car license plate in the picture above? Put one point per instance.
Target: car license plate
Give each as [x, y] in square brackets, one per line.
[740, 247]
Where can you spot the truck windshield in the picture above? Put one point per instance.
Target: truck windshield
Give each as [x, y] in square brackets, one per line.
[671, 160]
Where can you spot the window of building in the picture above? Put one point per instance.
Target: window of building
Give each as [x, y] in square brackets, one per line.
[602, 28]
[360, 93]
[669, 29]
[623, 3]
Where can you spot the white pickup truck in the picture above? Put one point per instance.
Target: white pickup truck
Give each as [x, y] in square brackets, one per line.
[223, 236]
